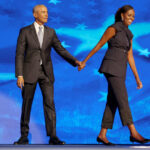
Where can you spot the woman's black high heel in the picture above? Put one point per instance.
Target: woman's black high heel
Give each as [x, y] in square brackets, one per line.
[132, 139]
[101, 141]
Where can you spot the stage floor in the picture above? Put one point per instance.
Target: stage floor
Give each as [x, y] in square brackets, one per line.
[74, 147]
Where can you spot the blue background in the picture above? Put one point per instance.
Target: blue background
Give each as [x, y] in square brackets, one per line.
[80, 97]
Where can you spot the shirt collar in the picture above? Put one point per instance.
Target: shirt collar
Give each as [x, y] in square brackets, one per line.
[37, 25]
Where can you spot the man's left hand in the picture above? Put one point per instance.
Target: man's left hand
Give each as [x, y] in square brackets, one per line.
[78, 63]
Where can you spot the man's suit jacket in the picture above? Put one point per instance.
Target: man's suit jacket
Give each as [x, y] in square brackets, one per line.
[29, 53]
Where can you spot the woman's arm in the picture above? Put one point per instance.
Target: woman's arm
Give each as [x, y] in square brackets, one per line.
[133, 67]
[109, 33]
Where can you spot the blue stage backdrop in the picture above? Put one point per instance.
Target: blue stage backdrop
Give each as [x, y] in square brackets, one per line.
[80, 97]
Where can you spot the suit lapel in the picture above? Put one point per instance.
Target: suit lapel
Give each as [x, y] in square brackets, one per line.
[34, 35]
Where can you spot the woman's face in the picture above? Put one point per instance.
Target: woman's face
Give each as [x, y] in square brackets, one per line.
[128, 17]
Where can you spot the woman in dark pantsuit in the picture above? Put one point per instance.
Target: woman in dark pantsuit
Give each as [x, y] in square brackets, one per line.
[114, 64]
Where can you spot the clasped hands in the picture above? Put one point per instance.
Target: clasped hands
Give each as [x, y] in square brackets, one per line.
[80, 64]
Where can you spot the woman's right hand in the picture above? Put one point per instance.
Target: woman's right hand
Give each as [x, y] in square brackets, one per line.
[81, 66]
[139, 84]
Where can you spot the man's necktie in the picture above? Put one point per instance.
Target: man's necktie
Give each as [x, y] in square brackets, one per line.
[40, 36]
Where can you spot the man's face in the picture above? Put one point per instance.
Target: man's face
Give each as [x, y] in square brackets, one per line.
[41, 15]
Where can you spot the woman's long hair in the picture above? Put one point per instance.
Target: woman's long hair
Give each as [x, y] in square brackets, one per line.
[123, 9]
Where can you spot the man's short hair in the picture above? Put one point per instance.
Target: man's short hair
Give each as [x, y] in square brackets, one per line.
[35, 9]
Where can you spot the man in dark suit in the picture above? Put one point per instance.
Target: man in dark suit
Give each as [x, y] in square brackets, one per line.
[33, 65]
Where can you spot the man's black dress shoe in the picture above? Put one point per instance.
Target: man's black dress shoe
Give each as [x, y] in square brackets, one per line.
[132, 139]
[22, 141]
[101, 141]
[56, 141]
